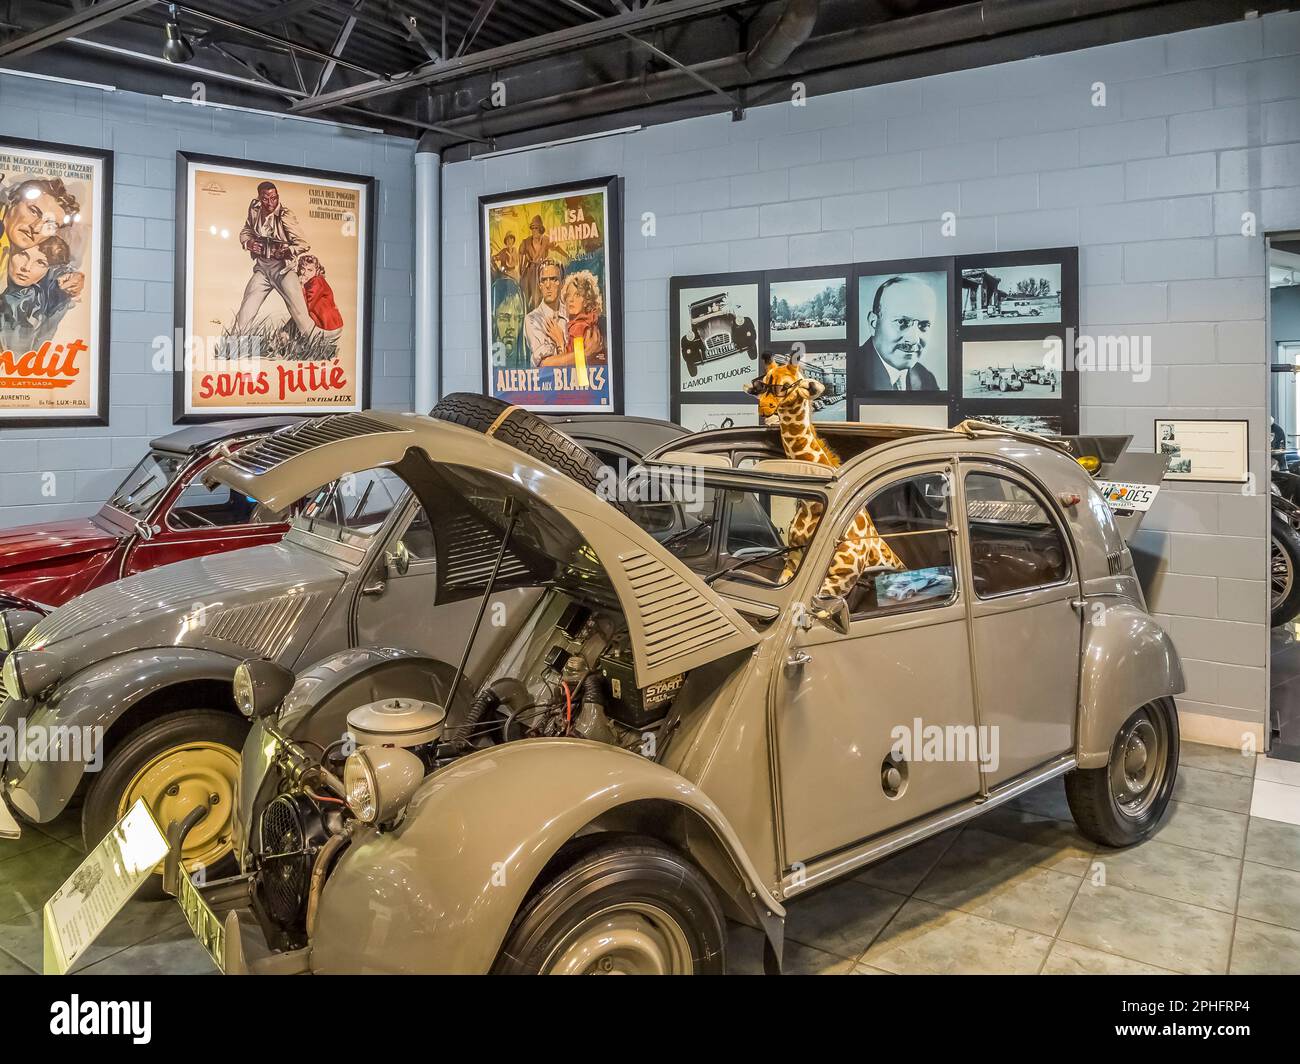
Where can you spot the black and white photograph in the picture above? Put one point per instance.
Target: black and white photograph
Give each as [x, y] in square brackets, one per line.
[1040, 424]
[717, 336]
[700, 417]
[1002, 295]
[831, 368]
[814, 309]
[903, 331]
[1009, 369]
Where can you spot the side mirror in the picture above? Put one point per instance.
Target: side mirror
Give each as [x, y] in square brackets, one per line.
[398, 560]
[831, 612]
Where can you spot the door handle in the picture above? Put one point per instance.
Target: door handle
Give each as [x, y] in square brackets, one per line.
[376, 587]
[798, 659]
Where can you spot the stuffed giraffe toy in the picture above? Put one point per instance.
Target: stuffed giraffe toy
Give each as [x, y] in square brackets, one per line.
[786, 394]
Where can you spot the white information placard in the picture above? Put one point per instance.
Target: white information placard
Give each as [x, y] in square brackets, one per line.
[1204, 450]
[105, 881]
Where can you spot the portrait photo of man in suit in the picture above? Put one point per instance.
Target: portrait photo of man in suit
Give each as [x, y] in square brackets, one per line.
[903, 332]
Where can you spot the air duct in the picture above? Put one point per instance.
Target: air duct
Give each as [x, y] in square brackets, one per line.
[792, 28]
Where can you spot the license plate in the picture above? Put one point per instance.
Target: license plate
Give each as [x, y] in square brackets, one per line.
[206, 925]
[1122, 496]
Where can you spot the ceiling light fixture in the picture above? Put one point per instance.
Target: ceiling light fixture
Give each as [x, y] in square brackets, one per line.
[176, 49]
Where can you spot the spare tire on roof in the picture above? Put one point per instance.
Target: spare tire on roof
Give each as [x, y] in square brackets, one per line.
[524, 430]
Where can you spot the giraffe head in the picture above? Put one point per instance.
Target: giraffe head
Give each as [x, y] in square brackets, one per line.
[783, 390]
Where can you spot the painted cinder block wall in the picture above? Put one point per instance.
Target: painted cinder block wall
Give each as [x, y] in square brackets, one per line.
[1198, 128]
[145, 133]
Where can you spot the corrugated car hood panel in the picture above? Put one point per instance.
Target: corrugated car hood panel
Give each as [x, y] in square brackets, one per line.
[249, 598]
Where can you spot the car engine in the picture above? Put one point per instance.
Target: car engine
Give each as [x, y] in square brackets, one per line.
[567, 672]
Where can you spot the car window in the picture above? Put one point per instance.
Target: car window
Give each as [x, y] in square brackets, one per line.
[711, 528]
[1014, 543]
[418, 537]
[139, 493]
[200, 506]
[352, 508]
[914, 515]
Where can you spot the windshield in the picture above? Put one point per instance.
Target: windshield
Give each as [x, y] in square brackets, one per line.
[139, 493]
[721, 533]
[353, 508]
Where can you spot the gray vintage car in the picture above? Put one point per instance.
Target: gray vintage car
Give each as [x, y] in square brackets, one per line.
[619, 728]
[134, 680]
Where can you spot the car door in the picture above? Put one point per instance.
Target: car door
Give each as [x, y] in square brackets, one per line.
[1025, 626]
[196, 520]
[899, 679]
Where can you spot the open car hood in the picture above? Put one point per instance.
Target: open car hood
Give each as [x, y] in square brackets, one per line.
[676, 622]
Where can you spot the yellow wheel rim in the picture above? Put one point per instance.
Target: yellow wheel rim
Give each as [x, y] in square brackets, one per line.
[180, 780]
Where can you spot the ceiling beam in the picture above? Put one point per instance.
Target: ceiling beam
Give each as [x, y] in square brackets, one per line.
[340, 42]
[83, 21]
[475, 24]
[548, 44]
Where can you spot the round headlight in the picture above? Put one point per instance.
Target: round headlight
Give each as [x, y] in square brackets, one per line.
[30, 673]
[378, 781]
[260, 687]
[14, 624]
[9, 675]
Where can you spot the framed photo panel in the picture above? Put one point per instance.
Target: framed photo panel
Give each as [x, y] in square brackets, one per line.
[550, 272]
[1018, 324]
[273, 289]
[56, 213]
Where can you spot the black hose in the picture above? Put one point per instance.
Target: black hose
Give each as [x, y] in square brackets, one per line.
[487, 699]
[593, 689]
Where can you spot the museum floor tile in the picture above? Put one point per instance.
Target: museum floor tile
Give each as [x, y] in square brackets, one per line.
[1018, 890]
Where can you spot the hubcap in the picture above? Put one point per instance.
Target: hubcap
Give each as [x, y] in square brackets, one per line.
[1281, 572]
[179, 780]
[631, 939]
[1139, 763]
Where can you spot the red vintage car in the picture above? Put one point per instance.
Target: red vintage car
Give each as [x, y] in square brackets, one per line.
[160, 513]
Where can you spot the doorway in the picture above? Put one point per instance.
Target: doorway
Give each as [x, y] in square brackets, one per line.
[1284, 453]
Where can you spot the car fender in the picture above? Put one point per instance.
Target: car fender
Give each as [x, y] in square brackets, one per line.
[1128, 660]
[438, 894]
[97, 697]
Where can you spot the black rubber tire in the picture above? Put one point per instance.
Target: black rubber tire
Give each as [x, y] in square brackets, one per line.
[1093, 807]
[624, 869]
[99, 813]
[1286, 539]
[524, 430]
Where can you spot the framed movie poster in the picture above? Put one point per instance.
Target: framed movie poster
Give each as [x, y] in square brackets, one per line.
[1205, 450]
[273, 296]
[904, 327]
[55, 217]
[551, 277]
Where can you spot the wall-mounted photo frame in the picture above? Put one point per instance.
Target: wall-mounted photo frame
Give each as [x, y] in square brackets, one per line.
[715, 324]
[808, 306]
[273, 289]
[1040, 424]
[905, 328]
[551, 277]
[1215, 451]
[1009, 369]
[721, 414]
[1010, 293]
[56, 213]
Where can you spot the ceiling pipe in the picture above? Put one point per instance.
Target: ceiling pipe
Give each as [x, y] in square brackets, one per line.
[858, 46]
[791, 29]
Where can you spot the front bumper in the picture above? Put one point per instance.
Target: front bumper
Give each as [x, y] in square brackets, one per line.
[221, 916]
[9, 826]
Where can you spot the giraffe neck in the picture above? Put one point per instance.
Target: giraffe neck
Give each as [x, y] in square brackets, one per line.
[799, 438]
